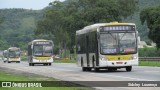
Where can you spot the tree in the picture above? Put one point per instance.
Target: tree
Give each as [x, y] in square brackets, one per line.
[152, 17]
[64, 18]
[1, 20]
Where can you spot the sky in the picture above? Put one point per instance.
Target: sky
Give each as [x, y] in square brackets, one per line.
[26, 4]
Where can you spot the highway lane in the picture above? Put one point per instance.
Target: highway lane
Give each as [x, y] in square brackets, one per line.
[70, 72]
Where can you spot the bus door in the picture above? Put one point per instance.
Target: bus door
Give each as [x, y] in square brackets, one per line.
[87, 48]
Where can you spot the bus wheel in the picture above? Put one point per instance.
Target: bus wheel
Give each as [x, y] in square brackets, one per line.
[50, 64]
[84, 69]
[128, 68]
[18, 62]
[32, 64]
[89, 69]
[96, 69]
[110, 69]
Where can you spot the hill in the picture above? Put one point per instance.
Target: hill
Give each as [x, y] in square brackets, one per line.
[17, 27]
[18, 24]
[143, 30]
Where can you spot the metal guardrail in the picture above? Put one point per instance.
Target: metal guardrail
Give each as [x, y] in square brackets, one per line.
[149, 58]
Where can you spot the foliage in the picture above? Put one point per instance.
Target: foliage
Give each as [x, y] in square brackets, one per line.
[135, 18]
[149, 63]
[64, 18]
[148, 52]
[152, 17]
[17, 27]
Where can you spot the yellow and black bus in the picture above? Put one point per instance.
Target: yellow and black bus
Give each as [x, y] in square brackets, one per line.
[40, 51]
[107, 46]
[13, 54]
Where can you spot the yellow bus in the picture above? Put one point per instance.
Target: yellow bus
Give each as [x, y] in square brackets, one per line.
[40, 51]
[107, 46]
[13, 54]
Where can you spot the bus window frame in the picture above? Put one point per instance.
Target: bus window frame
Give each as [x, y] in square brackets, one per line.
[43, 50]
[118, 48]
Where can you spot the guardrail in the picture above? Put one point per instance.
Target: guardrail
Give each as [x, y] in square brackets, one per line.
[149, 58]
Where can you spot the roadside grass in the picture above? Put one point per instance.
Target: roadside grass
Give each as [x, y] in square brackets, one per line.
[7, 76]
[149, 63]
[65, 60]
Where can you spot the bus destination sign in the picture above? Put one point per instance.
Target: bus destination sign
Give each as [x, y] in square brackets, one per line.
[42, 43]
[117, 28]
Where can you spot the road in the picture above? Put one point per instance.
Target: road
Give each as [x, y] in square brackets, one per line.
[70, 72]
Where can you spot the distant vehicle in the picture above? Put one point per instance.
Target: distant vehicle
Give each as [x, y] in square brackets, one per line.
[12, 54]
[40, 51]
[57, 57]
[107, 46]
[5, 55]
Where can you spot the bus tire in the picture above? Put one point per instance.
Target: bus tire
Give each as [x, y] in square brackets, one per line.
[93, 60]
[50, 64]
[89, 69]
[32, 64]
[29, 64]
[84, 69]
[96, 69]
[128, 68]
[18, 62]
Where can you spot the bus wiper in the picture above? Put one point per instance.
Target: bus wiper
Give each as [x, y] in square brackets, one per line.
[123, 36]
[112, 36]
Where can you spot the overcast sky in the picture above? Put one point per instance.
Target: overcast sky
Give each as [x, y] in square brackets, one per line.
[26, 4]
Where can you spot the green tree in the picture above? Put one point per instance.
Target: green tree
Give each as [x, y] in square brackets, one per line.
[152, 17]
[64, 18]
[1, 20]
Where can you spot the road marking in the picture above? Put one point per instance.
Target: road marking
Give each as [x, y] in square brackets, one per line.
[152, 71]
[135, 79]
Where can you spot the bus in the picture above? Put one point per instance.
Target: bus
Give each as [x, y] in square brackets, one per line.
[40, 51]
[5, 55]
[107, 46]
[13, 55]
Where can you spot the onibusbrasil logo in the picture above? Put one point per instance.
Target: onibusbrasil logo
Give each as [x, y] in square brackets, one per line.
[21, 84]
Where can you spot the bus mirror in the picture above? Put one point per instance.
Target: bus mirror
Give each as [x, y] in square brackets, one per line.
[138, 40]
[78, 48]
[31, 46]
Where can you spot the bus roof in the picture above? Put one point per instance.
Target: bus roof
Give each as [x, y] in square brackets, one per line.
[94, 27]
[39, 40]
[13, 48]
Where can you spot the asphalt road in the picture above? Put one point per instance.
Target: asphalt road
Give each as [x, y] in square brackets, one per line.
[70, 72]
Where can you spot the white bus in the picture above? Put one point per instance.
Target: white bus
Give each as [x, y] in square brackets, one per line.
[5, 55]
[40, 52]
[13, 54]
[107, 46]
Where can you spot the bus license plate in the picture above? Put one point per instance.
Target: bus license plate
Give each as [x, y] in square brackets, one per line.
[43, 61]
[119, 62]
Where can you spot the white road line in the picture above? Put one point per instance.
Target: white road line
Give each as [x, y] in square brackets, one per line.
[127, 78]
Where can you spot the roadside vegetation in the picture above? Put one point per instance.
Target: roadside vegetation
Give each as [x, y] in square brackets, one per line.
[10, 76]
[149, 63]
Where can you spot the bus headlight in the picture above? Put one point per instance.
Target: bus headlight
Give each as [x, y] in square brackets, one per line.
[104, 59]
[133, 57]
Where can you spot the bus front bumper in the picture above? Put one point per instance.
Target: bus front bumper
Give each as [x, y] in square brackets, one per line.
[118, 63]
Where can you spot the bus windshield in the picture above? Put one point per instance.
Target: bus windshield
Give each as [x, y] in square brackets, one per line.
[117, 43]
[42, 50]
[127, 42]
[108, 43]
[14, 54]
